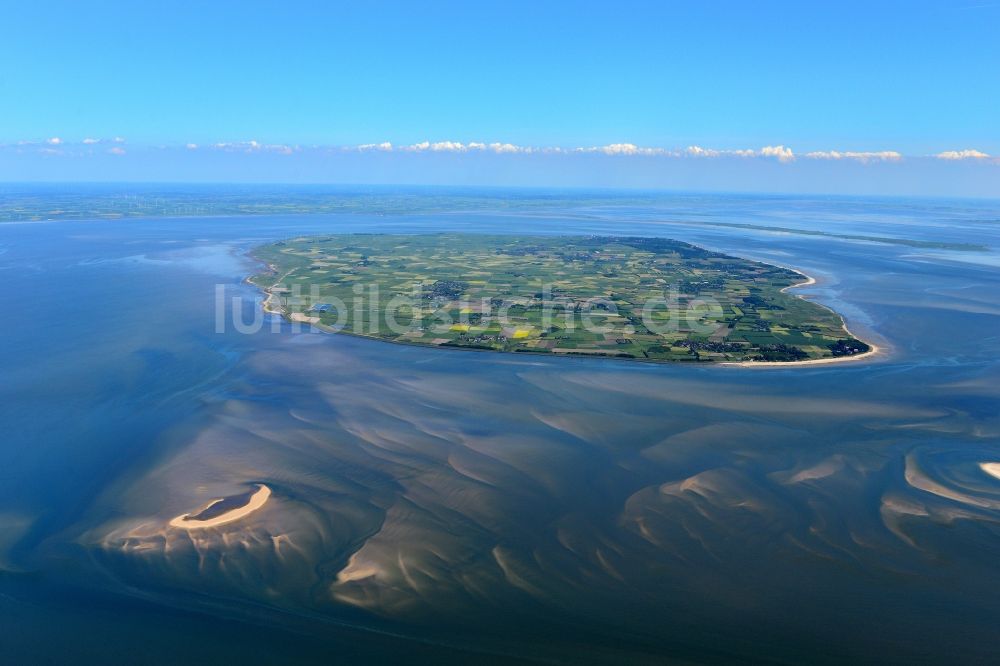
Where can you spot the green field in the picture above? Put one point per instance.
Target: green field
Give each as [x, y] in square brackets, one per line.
[640, 298]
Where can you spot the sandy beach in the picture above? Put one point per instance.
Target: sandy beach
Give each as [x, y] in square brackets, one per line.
[257, 500]
[267, 304]
[875, 349]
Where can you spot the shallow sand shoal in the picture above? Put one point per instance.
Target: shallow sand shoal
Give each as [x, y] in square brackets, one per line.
[257, 500]
[991, 468]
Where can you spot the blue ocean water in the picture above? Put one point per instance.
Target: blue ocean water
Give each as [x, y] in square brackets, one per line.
[434, 505]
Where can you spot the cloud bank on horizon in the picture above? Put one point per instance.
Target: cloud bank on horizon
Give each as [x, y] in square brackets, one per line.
[56, 145]
[957, 171]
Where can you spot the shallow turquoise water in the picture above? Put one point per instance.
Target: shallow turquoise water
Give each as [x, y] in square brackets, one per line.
[434, 505]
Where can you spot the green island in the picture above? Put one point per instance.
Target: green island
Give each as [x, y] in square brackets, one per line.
[639, 298]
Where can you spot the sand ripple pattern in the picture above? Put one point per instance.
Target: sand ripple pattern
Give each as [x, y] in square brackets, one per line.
[447, 495]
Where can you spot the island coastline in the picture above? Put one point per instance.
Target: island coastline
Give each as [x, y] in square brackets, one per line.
[873, 349]
[269, 306]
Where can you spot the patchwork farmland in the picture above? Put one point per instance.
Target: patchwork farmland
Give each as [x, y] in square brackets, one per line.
[638, 298]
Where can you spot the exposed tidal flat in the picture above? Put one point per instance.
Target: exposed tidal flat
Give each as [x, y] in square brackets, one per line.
[440, 507]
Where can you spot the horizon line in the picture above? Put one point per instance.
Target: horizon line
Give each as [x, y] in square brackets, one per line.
[537, 188]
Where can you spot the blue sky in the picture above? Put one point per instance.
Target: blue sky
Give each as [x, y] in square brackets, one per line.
[283, 89]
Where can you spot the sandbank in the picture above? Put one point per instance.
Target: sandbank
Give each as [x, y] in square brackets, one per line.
[257, 500]
[991, 468]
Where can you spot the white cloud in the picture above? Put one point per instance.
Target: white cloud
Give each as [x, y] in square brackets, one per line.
[779, 152]
[448, 146]
[860, 156]
[437, 147]
[967, 154]
[507, 148]
[418, 147]
[614, 149]
[620, 149]
[698, 151]
[459, 147]
[628, 149]
[253, 146]
[498, 147]
[782, 153]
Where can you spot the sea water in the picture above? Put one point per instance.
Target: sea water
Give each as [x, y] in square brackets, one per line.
[444, 506]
